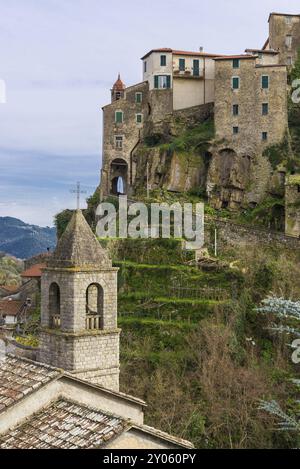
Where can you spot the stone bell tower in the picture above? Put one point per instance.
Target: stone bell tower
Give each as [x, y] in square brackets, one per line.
[79, 308]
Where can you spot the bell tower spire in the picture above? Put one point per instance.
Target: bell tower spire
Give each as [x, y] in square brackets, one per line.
[79, 308]
[118, 90]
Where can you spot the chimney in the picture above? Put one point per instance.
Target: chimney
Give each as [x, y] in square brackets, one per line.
[201, 48]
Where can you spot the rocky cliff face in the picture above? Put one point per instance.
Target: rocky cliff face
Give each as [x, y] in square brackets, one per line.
[181, 154]
[176, 151]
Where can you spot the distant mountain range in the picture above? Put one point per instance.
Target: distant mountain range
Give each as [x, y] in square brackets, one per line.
[23, 240]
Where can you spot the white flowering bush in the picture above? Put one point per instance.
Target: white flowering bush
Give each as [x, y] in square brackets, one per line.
[286, 312]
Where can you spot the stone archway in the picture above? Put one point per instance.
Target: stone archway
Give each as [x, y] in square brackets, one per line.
[118, 176]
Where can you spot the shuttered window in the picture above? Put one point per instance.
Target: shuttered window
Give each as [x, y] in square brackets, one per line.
[235, 83]
[182, 65]
[119, 117]
[265, 82]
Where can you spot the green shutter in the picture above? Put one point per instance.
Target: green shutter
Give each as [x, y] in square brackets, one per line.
[182, 65]
[155, 81]
[236, 63]
[168, 81]
[265, 82]
[235, 83]
[119, 117]
[138, 97]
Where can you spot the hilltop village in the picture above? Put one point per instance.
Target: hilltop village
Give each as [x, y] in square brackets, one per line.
[250, 152]
[93, 330]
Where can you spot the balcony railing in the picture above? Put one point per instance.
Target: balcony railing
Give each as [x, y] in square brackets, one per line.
[93, 322]
[188, 73]
[56, 321]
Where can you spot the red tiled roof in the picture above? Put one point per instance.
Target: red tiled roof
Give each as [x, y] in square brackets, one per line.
[180, 52]
[33, 271]
[281, 14]
[268, 51]
[119, 85]
[10, 307]
[230, 57]
[9, 288]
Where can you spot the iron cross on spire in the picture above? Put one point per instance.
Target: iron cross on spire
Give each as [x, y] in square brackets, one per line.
[78, 191]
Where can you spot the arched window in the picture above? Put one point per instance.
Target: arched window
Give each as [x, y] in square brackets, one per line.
[94, 306]
[54, 305]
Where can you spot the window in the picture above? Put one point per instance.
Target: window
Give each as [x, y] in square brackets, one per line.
[182, 65]
[264, 136]
[235, 109]
[118, 95]
[138, 97]
[119, 142]
[162, 81]
[260, 55]
[235, 83]
[288, 41]
[163, 60]
[235, 130]
[196, 68]
[265, 82]
[265, 109]
[145, 66]
[236, 63]
[139, 118]
[289, 61]
[119, 117]
[288, 20]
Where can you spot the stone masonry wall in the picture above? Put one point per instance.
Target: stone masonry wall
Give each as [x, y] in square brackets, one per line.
[234, 234]
[279, 27]
[239, 175]
[129, 129]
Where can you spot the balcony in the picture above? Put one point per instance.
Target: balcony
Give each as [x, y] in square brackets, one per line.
[189, 72]
[55, 321]
[93, 322]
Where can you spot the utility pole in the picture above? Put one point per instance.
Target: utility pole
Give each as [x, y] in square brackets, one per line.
[147, 179]
[77, 191]
[216, 243]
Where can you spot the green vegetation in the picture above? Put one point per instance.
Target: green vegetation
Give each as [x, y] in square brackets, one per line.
[193, 140]
[10, 270]
[216, 355]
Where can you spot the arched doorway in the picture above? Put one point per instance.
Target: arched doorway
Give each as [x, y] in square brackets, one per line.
[94, 306]
[118, 176]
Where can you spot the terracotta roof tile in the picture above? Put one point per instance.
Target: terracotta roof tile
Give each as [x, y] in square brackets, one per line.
[10, 307]
[33, 271]
[180, 52]
[64, 424]
[19, 377]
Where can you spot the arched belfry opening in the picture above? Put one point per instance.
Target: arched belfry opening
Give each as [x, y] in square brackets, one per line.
[94, 306]
[54, 305]
[119, 174]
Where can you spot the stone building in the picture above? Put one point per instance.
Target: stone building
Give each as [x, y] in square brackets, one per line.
[250, 102]
[284, 36]
[292, 205]
[248, 98]
[172, 81]
[75, 404]
[188, 75]
[250, 115]
[123, 122]
[79, 308]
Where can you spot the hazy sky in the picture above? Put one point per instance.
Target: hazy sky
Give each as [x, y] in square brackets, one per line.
[59, 59]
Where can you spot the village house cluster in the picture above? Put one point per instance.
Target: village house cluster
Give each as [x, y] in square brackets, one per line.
[247, 95]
